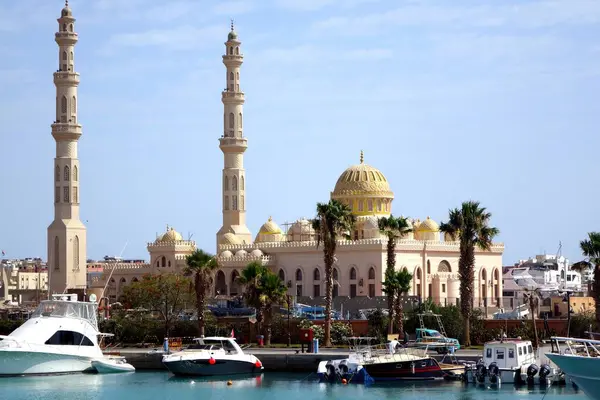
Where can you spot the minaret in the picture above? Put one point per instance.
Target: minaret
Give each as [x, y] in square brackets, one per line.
[233, 144]
[66, 235]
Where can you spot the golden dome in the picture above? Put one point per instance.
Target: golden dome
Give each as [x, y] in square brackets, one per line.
[270, 228]
[230, 238]
[428, 225]
[170, 236]
[362, 180]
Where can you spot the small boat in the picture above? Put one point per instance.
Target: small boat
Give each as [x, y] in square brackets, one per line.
[212, 356]
[111, 365]
[579, 360]
[511, 361]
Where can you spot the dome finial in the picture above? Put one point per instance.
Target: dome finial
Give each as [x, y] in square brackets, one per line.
[362, 156]
[232, 25]
[66, 3]
[270, 218]
[167, 228]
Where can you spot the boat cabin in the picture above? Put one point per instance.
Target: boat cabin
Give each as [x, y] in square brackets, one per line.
[226, 344]
[508, 353]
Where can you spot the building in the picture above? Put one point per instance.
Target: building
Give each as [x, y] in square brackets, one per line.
[292, 251]
[23, 281]
[66, 234]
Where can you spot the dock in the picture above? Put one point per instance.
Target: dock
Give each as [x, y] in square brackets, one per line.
[280, 360]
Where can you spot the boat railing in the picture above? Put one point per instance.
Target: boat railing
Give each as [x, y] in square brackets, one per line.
[575, 346]
[21, 344]
[398, 354]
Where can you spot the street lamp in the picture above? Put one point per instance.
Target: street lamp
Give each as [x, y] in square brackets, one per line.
[288, 318]
[567, 299]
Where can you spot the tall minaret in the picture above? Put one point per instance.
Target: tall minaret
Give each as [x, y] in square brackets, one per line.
[66, 234]
[233, 144]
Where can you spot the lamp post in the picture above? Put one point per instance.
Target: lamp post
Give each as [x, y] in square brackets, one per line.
[567, 299]
[289, 333]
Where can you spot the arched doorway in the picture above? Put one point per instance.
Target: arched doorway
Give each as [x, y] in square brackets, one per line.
[220, 284]
[235, 286]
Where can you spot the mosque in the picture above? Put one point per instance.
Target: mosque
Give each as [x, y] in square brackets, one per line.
[290, 252]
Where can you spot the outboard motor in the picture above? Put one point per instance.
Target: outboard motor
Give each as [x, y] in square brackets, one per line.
[343, 367]
[531, 371]
[544, 372]
[480, 372]
[494, 372]
[330, 375]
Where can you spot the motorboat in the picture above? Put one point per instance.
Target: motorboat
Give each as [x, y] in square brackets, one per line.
[366, 364]
[212, 356]
[580, 361]
[60, 337]
[111, 365]
[510, 361]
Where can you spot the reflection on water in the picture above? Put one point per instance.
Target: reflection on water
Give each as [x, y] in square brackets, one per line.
[237, 381]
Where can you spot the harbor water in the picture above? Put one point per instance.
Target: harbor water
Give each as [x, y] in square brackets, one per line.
[276, 386]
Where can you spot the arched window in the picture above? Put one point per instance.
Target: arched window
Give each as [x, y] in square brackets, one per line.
[298, 274]
[231, 125]
[163, 261]
[316, 274]
[122, 282]
[234, 205]
[226, 183]
[157, 263]
[282, 275]
[371, 273]
[353, 274]
[74, 105]
[67, 173]
[242, 185]
[231, 50]
[226, 203]
[335, 274]
[428, 267]
[56, 254]
[134, 280]
[57, 174]
[63, 105]
[75, 173]
[242, 205]
[237, 51]
[234, 185]
[64, 27]
[240, 120]
[76, 253]
[169, 263]
[231, 76]
[64, 56]
[237, 75]
[70, 27]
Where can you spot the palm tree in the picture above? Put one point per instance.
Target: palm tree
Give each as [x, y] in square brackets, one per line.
[402, 281]
[251, 278]
[393, 228]
[470, 225]
[591, 250]
[272, 291]
[202, 266]
[333, 219]
[532, 299]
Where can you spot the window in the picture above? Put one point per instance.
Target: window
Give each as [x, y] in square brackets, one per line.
[69, 338]
[64, 27]
[443, 288]
[488, 353]
[298, 290]
[163, 262]
[63, 104]
[335, 274]
[242, 203]
[242, 185]
[56, 254]
[237, 51]
[511, 353]
[75, 173]
[231, 50]
[64, 56]
[371, 290]
[360, 205]
[316, 275]
[66, 194]
[353, 273]
[231, 76]
[499, 354]
[520, 351]
[369, 205]
[226, 203]
[353, 290]
[57, 174]
[67, 173]
[529, 349]
[281, 275]
[234, 185]
[234, 205]
[372, 273]
[240, 120]
[316, 290]
[298, 274]
[226, 183]
[70, 27]
[237, 75]
[57, 194]
[231, 120]
[73, 105]
[336, 290]
[76, 253]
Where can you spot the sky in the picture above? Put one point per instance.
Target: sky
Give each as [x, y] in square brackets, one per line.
[495, 101]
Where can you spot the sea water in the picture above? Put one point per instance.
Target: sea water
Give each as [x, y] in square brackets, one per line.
[271, 386]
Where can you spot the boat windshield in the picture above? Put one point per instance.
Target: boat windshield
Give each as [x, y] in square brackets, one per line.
[204, 344]
[67, 309]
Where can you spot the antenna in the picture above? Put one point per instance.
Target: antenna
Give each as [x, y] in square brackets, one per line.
[111, 272]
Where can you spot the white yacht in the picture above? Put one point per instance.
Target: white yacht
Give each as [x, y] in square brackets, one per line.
[60, 337]
[212, 356]
[511, 361]
[580, 361]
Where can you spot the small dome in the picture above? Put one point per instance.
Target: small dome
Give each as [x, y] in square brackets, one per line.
[171, 235]
[449, 238]
[66, 12]
[302, 226]
[230, 238]
[257, 253]
[241, 253]
[232, 35]
[270, 228]
[371, 223]
[428, 225]
[226, 254]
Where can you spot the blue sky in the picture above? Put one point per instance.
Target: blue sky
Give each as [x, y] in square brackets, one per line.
[452, 100]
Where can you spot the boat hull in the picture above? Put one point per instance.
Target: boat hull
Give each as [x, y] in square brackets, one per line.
[111, 367]
[424, 369]
[187, 366]
[583, 371]
[17, 362]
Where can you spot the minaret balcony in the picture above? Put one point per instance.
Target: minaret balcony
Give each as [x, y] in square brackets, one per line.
[232, 95]
[66, 131]
[233, 144]
[66, 38]
[66, 78]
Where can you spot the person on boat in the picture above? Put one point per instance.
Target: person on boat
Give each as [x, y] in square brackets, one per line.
[392, 344]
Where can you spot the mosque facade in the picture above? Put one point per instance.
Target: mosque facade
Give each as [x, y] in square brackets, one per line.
[292, 252]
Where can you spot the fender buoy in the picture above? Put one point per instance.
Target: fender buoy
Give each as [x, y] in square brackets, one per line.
[212, 361]
[258, 364]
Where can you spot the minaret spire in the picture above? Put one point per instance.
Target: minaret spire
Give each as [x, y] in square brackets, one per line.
[67, 234]
[233, 144]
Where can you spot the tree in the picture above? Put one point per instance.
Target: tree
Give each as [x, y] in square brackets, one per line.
[167, 294]
[334, 219]
[272, 291]
[591, 251]
[470, 225]
[402, 281]
[532, 299]
[202, 266]
[251, 278]
[393, 228]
